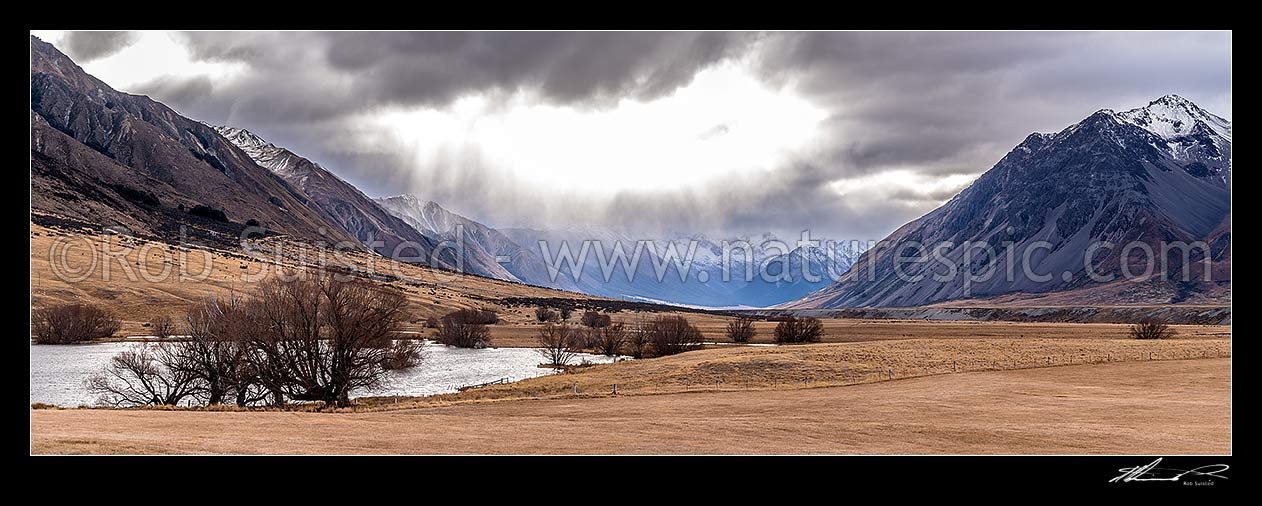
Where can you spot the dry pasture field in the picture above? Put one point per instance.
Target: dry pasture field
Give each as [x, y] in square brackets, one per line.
[1162, 407]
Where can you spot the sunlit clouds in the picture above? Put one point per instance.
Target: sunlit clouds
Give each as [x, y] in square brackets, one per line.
[848, 134]
[724, 122]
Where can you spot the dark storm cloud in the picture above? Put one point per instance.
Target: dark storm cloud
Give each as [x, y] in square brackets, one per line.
[565, 67]
[302, 76]
[931, 104]
[939, 101]
[87, 46]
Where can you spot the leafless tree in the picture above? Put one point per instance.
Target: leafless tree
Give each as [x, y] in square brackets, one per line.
[1151, 329]
[303, 339]
[217, 350]
[72, 323]
[565, 311]
[149, 374]
[638, 344]
[557, 343]
[403, 354]
[610, 339]
[793, 329]
[741, 330]
[454, 331]
[162, 327]
[673, 334]
[326, 337]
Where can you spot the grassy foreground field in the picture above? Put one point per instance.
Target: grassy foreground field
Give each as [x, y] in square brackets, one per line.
[821, 365]
[1161, 407]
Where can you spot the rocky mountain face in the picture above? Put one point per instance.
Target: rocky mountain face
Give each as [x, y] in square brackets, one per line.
[483, 249]
[100, 156]
[341, 202]
[1152, 175]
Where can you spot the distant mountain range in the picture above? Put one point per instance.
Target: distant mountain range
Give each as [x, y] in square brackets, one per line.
[1143, 177]
[771, 274]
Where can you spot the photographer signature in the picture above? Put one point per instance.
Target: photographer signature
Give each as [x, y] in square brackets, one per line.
[1151, 472]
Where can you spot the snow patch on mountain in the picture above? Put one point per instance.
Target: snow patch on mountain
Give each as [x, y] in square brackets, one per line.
[1172, 116]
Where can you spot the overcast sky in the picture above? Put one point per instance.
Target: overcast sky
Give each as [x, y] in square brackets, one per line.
[847, 134]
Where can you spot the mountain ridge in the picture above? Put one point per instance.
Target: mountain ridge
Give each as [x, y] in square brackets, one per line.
[113, 158]
[1130, 177]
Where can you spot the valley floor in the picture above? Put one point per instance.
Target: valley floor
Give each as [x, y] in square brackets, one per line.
[1150, 407]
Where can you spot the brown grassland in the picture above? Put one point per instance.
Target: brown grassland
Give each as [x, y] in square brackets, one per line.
[872, 386]
[1164, 407]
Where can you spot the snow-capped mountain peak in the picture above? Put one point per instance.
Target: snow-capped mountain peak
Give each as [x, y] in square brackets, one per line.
[1172, 116]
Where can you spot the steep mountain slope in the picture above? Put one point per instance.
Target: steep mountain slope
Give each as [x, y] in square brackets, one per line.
[1160, 173]
[110, 158]
[344, 204]
[484, 249]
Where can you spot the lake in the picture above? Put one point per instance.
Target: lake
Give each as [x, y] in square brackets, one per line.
[58, 372]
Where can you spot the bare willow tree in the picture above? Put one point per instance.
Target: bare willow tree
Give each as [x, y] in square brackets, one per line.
[557, 343]
[72, 323]
[611, 339]
[453, 330]
[162, 327]
[672, 334]
[217, 349]
[638, 344]
[302, 339]
[741, 330]
[320, 339]
[152, 374]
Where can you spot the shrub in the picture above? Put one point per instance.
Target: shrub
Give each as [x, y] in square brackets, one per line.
[431, 322]
[595, 320]
[546, 314]
[1151, 329]
[672, 334]
[72, 323]
[557, 343]
[209, 213]
[741, 330]
[805, 329]
[566, 311]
